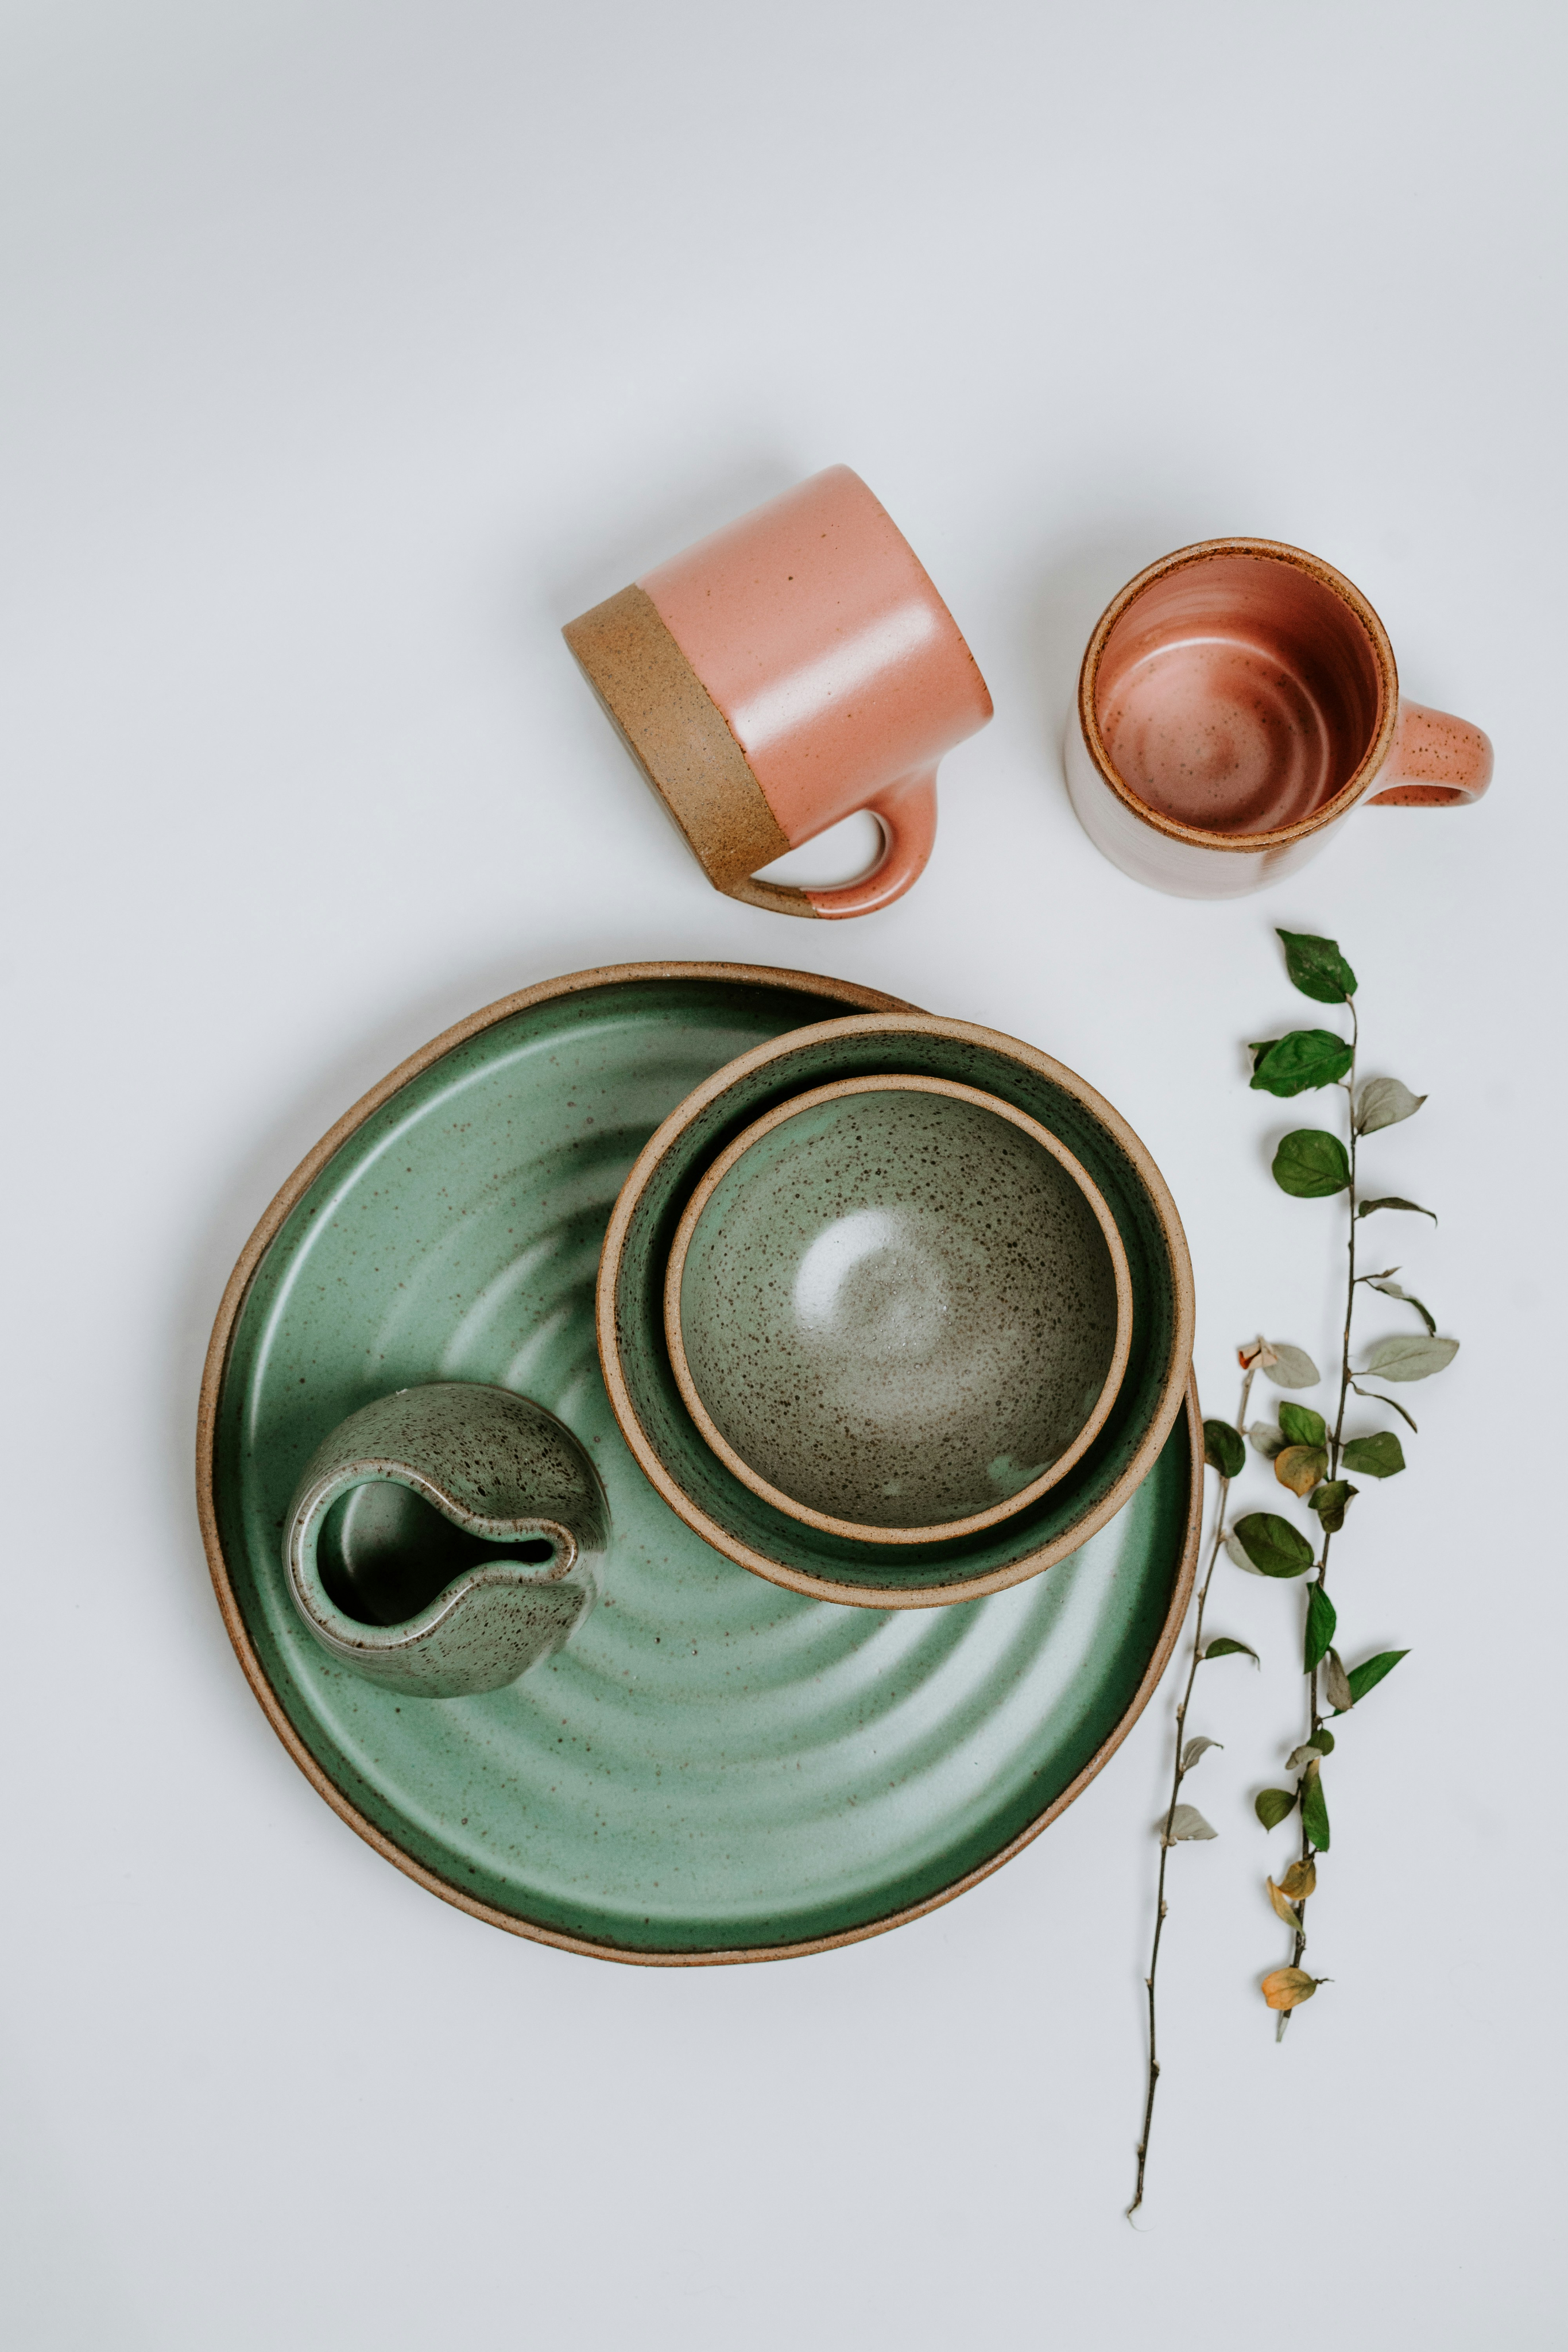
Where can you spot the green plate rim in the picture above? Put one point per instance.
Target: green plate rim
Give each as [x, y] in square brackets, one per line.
[847, 993]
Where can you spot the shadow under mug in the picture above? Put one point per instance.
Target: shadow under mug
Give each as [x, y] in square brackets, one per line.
[1237, 701]
[790, 670]
[442, 1540]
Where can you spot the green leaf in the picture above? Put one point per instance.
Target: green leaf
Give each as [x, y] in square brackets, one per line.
[1392, 1402]
[1274, 1805]
[1311, 1164]
[1317, 968]
[1273, 1545]
[1371, 1670]
[1302, 1426]
[1384, 1102]
[1331, 1503]
[1289, 1367]
[1222, 1647]
[1223, 1449]
[1266, 1438]
[1382, 1456]
[1307, 1057]
[1409, 1357]
[1393, 1201]
[1314, 1810]
[1394, 1290]
[1322, 1619]
[1322, 1741]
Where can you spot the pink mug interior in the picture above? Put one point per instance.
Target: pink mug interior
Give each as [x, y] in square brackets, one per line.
[1239, 694]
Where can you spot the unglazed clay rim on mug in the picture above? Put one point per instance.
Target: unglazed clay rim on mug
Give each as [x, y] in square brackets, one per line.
[1273, 551]
[1174, 1386]
[860, 1529]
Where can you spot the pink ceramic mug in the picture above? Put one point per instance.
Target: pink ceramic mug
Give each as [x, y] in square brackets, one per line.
[1238, 700]
[791, 669]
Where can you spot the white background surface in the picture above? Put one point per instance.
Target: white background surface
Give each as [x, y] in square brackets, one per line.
[351, 350]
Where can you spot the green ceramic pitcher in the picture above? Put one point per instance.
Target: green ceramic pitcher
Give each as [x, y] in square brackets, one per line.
[442, 1540]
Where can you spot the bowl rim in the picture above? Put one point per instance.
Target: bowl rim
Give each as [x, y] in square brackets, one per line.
[893, 1082]
[662, 1142]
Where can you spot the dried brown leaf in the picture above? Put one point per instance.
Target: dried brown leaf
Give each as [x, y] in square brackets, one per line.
[1288, 1988]
[1301, 1467]
[1300, 1881]
[1282, 1908]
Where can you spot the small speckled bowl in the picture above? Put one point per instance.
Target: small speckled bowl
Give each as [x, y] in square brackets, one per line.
[700, 1486]
[898, 1309]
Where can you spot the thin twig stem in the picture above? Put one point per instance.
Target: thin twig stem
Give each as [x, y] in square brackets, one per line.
[1336, 1444]
[1216, 1538]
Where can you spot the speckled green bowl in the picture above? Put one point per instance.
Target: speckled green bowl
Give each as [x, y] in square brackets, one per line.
[645, 1393]
[898, 1309]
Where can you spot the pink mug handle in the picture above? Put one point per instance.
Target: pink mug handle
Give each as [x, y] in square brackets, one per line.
[906, 811]
[1435, 761]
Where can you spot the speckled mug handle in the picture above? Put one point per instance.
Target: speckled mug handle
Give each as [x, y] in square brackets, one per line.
[1434, 761]
[907, 813]
[502, 1471]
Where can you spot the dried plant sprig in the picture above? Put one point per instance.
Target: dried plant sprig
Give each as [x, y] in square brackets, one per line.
[1312, 1163]
[1224, 1452]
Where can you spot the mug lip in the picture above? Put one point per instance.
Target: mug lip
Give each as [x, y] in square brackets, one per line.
[861, 1529]
[1279, 551]
[664, 1140]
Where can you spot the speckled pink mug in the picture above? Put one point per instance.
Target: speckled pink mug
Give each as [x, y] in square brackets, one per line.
[1238, 702]
[793, 669]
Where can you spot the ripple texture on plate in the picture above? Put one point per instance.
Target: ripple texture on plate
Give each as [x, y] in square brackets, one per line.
[712, 1763]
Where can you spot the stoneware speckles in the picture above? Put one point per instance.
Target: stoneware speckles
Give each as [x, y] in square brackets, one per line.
[898, 1309]
[442, 1540]
[1237, 701]
[696, 1482]
[711, 1768]
[791, 669]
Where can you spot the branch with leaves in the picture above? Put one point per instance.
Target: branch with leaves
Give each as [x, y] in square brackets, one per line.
[1224, 1452]
[1311, 1163]
[1310, 1461]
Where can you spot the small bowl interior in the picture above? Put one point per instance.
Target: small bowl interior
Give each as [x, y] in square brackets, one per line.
[894, 1305]
[1147, 1399]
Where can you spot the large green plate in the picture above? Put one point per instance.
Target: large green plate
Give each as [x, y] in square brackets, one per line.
[715, 1768]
